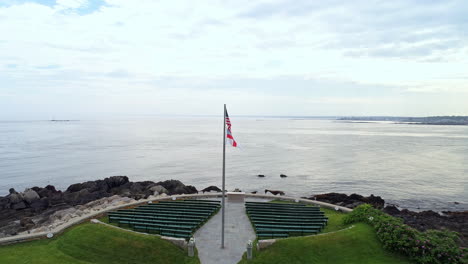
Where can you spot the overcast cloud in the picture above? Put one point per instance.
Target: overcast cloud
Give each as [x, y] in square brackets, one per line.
[117, 58]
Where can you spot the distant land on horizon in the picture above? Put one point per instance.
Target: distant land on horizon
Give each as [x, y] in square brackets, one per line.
[429, 120]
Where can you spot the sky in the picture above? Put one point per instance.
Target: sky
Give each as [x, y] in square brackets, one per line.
[79, 59]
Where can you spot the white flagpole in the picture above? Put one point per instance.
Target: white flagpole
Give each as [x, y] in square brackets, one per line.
[224, 181]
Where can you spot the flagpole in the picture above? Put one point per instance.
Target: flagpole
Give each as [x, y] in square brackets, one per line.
[224, 181]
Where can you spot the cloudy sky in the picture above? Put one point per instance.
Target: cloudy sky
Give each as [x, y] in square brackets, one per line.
[121, 58]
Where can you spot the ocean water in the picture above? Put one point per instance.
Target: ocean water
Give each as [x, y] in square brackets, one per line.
[414, 166]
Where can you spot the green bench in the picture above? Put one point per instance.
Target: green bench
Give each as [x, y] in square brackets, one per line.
[268, 235]
[169, 210]
[261, 226]
[176, 219]
[140, 223]
[273, 215]
[295, 209]
[319, 222]
[181, 208]
[285, 211]
[165, 231]
[119, 218]
[274, 204]
[288, 231]
[168, 213]
[156, 216]
[209, 205]
[201, 201]
[272, 235]
[294, 219]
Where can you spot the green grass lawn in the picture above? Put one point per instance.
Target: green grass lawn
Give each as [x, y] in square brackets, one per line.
[93, 243]
[358, 245]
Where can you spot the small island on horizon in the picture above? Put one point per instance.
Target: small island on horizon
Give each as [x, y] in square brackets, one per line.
[429, 120]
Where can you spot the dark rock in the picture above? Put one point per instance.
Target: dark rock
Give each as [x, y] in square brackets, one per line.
[261, 175]
[91, 186]
[116, 181]
[12, 191]
[274, 192]
[40, 204]
[4, 203]
[30, 196]
[254, 192]
[19, 206]
[83, 196]
[211, 188]
[375, 201]
[177, 187]
[158, 189]
[15, 198]
[283, 175]
[391, 210]
[350, 201]
[26, 221]
[454, 221]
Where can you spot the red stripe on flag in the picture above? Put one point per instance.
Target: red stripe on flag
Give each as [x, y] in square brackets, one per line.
[229, 132]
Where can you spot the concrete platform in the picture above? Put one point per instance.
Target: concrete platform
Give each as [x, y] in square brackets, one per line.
[238, 231]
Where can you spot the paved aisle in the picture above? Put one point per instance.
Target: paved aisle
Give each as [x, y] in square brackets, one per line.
[238, 231]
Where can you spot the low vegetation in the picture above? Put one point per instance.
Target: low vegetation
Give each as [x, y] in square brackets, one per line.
[345, 243]
[357, 245]
[432, 246]
[92, 243]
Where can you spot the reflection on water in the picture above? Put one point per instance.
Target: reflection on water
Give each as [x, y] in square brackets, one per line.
[415, 166]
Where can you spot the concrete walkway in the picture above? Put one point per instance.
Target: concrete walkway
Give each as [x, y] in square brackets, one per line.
[238, 231]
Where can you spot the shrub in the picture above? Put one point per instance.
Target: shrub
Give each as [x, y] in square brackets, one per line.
[430, 247]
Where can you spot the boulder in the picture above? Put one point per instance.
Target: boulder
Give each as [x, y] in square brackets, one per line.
[350, 201]
[41, 204]
[158, 189]
[19, 206]
[91, 186]
[30, 196]
[26, 221]
[116, 181]
[83, 196]
[177, 187]
[15, 198]
[4, 203]
[391, 210]
[211, 189]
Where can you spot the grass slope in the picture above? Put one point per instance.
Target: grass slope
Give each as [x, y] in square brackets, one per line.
[92, 243]
[358, 245]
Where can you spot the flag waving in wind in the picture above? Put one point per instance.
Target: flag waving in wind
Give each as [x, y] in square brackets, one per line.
[229, 136]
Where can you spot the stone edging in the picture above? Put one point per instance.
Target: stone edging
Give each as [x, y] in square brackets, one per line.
[81, 219]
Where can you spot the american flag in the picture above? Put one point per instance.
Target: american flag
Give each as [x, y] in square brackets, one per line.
[229, 136]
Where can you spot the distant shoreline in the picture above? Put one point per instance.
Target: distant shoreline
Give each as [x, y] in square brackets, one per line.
[431, 120]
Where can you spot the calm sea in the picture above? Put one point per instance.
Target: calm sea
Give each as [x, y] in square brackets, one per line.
[414, 166]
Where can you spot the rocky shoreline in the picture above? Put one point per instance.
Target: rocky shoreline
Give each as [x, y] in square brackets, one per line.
[34, 208]
[425, 220]
[37, 209]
